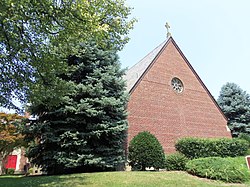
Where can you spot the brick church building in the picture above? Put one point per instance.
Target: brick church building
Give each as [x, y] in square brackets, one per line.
[168, 98]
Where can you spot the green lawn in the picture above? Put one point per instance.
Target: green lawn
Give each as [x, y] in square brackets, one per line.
[115, 179]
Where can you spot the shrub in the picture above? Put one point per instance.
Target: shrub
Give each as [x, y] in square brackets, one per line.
[205, 147]
[145, 151]
[10, 171]
[176, 162]
[225, 169]
[246, 137]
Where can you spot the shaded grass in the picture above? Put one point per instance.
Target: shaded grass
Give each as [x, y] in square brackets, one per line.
[111, 179]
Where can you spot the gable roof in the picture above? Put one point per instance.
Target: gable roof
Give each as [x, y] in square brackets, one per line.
[137, 72]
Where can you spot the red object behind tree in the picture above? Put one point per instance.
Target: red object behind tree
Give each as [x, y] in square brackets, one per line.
[11, 161]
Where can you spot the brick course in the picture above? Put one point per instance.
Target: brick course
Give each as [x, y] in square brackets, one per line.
[155, 107]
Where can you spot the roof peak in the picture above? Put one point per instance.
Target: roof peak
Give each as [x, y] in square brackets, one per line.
[134, 73]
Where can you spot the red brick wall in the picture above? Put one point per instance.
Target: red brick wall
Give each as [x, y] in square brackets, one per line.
[155, 107]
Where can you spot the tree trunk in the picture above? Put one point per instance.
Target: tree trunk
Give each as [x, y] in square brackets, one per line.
[2, 168]
[2, 163]
[143, 168]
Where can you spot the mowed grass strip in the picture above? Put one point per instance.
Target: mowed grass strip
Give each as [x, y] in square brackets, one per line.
[112, 179]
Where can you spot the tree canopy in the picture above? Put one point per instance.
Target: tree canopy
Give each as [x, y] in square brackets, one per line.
[36, 38]
[235, 103]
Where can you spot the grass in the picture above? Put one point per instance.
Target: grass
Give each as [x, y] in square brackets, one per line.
[112, 179]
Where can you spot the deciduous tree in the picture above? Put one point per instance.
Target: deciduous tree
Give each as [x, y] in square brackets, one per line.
[36, 37]
[10, 136]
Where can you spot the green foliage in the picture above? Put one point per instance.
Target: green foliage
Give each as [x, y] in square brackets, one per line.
[87, 131]
[145, 151]
[246, 137]
[10, 171]
[30, 171]
[235, 103]
[225, 169]
[37, 36]
[205, 147]
[176, 162]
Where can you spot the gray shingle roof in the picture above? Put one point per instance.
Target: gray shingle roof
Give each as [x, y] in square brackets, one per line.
[135, 72]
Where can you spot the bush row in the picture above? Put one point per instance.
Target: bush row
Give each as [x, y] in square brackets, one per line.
[146, 151]
[225, 169]
[176, 162]
[205, 147]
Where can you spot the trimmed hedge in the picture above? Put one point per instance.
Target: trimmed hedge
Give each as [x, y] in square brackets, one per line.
[205, 147]
[145, 151]
[176, 162]
[225, 169]
[246, 137]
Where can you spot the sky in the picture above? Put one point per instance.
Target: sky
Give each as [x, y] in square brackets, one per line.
[214, 35]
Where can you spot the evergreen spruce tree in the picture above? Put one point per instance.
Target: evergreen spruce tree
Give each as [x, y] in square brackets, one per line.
[235, 103]
[87, 131]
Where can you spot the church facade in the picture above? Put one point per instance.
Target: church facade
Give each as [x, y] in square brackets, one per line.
[168, 98]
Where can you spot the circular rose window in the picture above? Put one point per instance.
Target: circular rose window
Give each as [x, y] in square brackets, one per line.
[177, 85]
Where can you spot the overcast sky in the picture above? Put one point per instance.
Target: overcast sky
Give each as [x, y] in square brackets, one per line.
[214, 35]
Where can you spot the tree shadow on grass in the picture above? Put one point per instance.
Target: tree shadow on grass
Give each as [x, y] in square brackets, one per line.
[72, 180]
